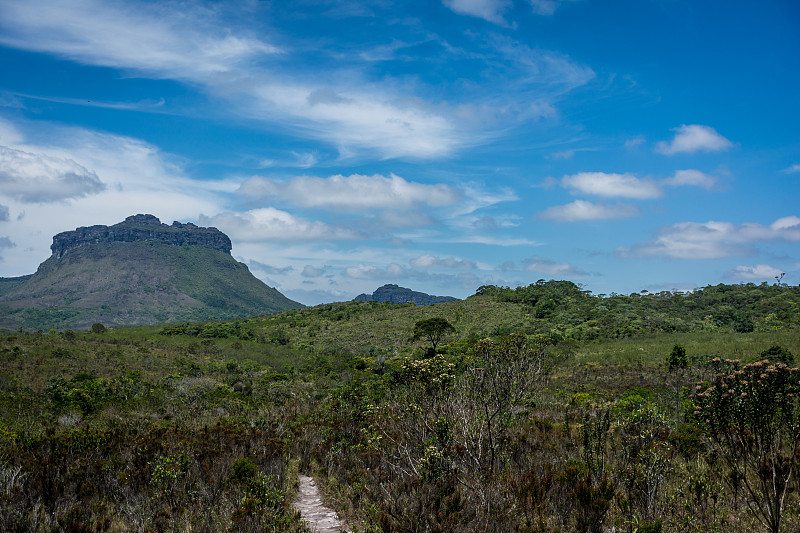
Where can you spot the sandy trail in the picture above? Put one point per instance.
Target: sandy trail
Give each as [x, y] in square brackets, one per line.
[320, 519]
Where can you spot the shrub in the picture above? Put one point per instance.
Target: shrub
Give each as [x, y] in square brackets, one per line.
[752, 416]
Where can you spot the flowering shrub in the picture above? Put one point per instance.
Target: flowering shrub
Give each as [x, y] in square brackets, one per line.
[752, 415]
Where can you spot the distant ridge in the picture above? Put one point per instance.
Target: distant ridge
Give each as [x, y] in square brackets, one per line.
[136, 272]
[401, 295]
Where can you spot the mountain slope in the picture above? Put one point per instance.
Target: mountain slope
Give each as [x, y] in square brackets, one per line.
[137, 272]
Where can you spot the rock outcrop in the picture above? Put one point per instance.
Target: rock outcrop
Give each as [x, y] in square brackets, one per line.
[141, 228]
[401, 295]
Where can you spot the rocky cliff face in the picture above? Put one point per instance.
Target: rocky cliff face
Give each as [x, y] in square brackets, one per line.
[141, 228]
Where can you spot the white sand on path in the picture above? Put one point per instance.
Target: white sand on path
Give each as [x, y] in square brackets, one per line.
[320, 519]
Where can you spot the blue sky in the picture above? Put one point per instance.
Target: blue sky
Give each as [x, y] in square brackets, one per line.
[440, 145]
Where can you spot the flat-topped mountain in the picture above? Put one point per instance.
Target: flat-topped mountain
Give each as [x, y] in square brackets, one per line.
[139, 271]
[401, 295]
[141, 228]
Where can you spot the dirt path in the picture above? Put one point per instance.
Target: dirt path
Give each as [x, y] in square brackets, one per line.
[320, 519]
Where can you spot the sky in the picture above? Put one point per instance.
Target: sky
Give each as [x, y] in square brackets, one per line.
[441, 145]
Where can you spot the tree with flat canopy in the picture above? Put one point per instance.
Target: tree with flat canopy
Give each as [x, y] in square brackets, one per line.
[433, 330]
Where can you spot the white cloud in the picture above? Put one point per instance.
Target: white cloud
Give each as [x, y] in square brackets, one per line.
[711, 240]
[163, 39]
[692, 178]
[432, 261]
[693, 138]
[552, 268]
[40, 178]
[166, 40]
[582, 210]
[134, 177]
[635, 142]
[490, 10]
[270, 224]
[352, 193]
[764, 272]
[4, 213]
[612, 185]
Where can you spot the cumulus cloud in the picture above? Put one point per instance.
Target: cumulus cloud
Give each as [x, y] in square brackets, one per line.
[582, 210]
[551, 268]
[40, 178]
[694, 138]
[611, 185]
[712, 240]
[432, 261]
[693, 178]
[351, 193]
[270, 224]
[755, 272]
[490, 10]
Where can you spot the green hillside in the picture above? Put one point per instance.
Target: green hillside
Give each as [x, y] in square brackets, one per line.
[137, 283]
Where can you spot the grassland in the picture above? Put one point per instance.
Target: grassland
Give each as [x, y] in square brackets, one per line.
[204, 426]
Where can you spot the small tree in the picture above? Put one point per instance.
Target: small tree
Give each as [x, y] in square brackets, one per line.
[752, 416]
[677, 363]
[433, 330]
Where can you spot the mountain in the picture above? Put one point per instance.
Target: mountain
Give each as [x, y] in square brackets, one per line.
[139, 271]
[401, 295]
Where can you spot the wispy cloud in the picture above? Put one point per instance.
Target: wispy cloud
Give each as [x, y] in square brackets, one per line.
[396, 271]
[269, 269]
[489, 10]
[353, 193]
[270, 224]
[168, 41]
[310, 271]
[546, 7]
[580, 210]
[691, 177]
[161, 39]
[794, 169]
[612, 185]
[432, 261]
[712, 240]
[694, 138]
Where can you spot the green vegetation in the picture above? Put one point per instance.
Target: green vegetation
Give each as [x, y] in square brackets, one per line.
[517, 420]
[116, 283]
